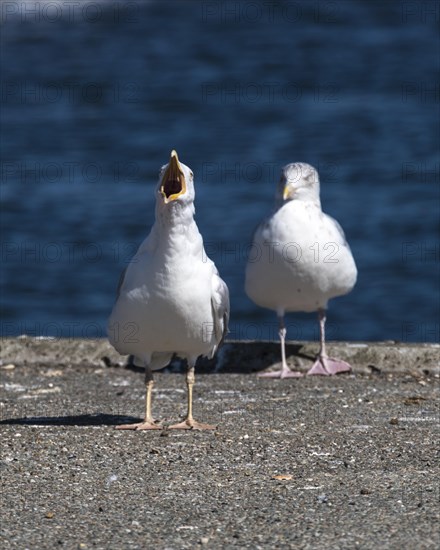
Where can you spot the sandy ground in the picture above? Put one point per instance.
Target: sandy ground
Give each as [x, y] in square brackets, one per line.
[342, 462]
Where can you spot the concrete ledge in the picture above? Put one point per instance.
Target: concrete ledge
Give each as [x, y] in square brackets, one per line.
[314, 463]
[235, 356]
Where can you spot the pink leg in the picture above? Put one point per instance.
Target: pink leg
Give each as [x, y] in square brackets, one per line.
[324, 365]
[285, 372]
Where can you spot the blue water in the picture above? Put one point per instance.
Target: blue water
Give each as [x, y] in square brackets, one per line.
[95, 97]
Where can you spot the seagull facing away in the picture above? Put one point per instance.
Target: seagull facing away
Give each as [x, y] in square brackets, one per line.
[302, 261]
[171, 299]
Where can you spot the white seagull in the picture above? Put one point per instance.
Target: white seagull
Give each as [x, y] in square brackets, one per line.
[301, 261]
[171, 299]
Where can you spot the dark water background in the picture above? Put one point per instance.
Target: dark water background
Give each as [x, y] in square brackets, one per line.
[94, 98]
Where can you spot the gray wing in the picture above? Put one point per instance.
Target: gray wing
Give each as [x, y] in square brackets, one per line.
[261, 226]
[120, 282]
[220, 309]
[338, 228]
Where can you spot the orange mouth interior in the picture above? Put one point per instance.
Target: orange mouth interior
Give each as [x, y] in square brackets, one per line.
[173, 181]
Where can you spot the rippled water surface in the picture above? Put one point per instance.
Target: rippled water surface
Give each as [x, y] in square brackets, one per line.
[95, 98]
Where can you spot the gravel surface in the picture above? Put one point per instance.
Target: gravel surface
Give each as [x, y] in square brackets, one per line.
[342, 462]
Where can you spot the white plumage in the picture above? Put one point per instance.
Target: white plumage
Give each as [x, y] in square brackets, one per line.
[171, 299]
[300, 260]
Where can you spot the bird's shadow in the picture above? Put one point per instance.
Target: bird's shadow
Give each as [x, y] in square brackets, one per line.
[229, 359]
[234, 359]
[72, 420]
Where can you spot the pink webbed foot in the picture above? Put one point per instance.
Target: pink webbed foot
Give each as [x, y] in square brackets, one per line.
[326, 366]
[285, 372]
[139, 426]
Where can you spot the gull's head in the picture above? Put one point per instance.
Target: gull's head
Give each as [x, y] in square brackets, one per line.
[175, 182]
[299, 181]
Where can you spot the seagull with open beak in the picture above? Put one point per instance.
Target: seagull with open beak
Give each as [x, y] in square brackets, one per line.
[171, 299]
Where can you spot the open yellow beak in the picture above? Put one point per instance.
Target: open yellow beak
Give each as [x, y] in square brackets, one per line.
[173, 181]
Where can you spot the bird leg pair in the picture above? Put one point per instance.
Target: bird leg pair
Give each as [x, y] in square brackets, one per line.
[150, 424]
[324, 365]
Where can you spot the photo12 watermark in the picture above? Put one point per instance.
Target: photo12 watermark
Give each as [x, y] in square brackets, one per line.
[28, 92]
[68, 172]
[416, 11]
[420, 172]
[269, 11]
[69, 11]
[269, 331]
[421, 252]
[52, 330]
[270, 252]
[423, 332]
[68, 253]
[236, 93]
[252, 172]
[423, 92]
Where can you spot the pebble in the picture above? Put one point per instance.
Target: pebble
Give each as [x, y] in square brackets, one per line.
[9, 366]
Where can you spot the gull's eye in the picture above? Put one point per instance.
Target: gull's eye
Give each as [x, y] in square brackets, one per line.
[191, 174]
